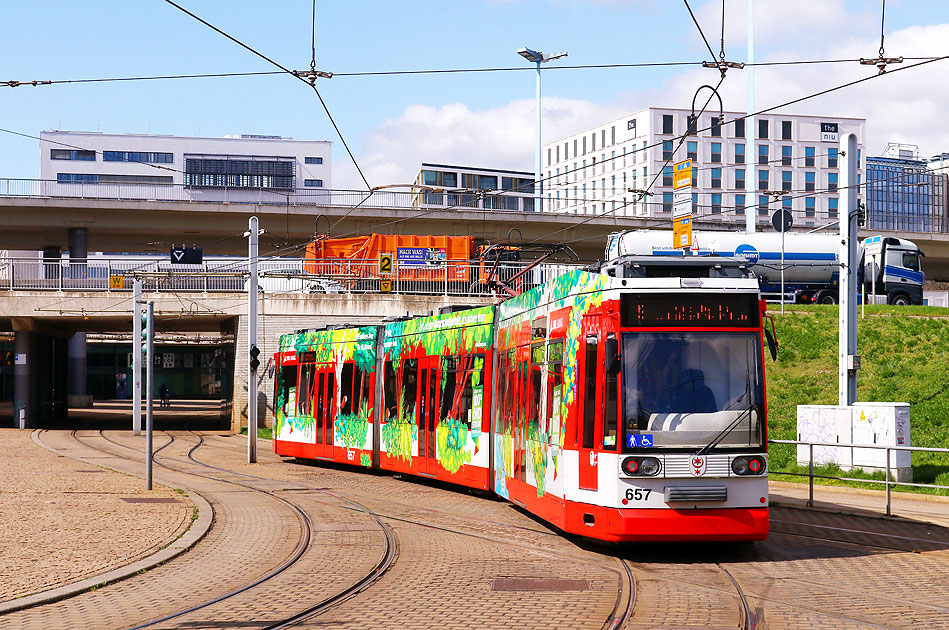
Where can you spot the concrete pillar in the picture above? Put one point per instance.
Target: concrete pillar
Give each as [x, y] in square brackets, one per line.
[78, 253]
[24, 381]
[78, 395]
[51, 257]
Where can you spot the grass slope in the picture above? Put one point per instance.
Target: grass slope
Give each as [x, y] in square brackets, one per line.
[905, 359]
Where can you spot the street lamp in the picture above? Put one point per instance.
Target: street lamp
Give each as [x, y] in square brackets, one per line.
[538, 57]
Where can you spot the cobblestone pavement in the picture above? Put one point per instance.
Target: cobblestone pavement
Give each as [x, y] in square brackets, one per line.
[467, 560]
[64, 520]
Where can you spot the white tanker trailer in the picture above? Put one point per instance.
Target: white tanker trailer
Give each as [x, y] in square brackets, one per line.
[811, 261]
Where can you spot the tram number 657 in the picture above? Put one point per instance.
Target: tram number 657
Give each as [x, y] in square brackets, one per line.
[637, 494]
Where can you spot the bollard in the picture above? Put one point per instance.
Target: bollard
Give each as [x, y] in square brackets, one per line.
[810, 475]
[888, 481]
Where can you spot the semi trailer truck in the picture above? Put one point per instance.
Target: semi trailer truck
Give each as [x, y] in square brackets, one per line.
[889, 266]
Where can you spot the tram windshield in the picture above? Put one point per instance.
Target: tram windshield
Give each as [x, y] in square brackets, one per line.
[685, 389]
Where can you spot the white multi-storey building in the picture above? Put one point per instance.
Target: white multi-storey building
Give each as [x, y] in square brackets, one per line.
[469, 187]
[592, 172]
[200, 167]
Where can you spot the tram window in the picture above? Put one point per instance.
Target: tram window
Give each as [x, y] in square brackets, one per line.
[449, 385]
[473, 396]
[533, 416]
[288, 388]
[306, 389]
[389, 391]
[525, 407]
[510, 393]
[409, 387]
[554, 390]
[611, 399]
[346, 389]
[360, 389]
[589, 391]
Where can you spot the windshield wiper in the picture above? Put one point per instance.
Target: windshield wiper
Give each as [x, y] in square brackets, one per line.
[724, 432]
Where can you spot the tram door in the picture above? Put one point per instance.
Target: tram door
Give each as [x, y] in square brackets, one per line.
[324, 412]
[590, 404]
[427, 413]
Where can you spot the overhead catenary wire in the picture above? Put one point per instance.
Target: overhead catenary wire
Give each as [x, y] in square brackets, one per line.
[377, 73]
[288, 71]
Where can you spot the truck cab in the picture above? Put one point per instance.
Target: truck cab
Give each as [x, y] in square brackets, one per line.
[895, 268]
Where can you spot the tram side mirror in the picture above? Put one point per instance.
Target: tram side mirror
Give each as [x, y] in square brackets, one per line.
[772, 344]
[612, 355]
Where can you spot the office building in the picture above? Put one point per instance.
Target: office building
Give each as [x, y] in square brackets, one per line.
[904, 192]
[212, 169]
[466, 187]
[592, 172]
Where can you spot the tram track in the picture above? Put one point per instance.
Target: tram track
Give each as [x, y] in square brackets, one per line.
[302, 546]
[626, 596]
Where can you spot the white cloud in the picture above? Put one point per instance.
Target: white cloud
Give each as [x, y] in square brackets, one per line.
[902, 106]
[498, 137]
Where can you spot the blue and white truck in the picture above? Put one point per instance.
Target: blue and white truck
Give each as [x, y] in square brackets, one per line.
[811, 261]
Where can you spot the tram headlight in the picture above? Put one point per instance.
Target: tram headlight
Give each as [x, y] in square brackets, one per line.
[641, 466]
[649, 466]
[748, 465]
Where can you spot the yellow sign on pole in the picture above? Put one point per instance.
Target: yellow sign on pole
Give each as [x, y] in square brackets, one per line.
[385, 264]
[385, 286]
[116, 282]
[682, 232]
[682, 175]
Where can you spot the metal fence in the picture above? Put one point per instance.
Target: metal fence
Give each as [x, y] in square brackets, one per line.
[278, 275]
[889, 482]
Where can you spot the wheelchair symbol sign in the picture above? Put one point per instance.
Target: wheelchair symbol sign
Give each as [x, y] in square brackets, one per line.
[639, 441]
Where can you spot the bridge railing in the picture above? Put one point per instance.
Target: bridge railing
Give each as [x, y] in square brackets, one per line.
[277, 275]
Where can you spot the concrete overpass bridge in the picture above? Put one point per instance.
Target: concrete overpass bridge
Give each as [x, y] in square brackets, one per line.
[150, 218]
[42, 323]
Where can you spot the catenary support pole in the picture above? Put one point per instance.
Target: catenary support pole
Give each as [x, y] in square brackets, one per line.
[149, 381]
[538, 166]
[137, 356]
[751, 154]
[848, 279]
[252, 297]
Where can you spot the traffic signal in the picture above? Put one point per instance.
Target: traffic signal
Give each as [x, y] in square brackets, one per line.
[254, 361]
[144, 340]
[861, 213]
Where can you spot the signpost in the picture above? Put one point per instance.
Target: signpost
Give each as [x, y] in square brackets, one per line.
[781, 220]
[385, 264]
[682, 204]
[873, 246]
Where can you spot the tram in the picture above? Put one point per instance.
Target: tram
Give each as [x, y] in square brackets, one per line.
[616, 408]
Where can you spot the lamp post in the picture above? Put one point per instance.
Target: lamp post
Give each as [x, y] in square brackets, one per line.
[538, 57]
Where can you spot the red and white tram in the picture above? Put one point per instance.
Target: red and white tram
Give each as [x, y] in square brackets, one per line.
[622, 409]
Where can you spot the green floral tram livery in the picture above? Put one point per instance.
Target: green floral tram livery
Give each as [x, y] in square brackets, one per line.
[620, 409]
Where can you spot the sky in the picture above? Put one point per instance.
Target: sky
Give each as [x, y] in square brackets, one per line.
[394, 123]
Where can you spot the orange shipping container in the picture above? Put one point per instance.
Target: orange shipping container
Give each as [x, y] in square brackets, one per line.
[414, 257]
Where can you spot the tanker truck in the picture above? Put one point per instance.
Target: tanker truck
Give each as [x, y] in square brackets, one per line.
[811, 261]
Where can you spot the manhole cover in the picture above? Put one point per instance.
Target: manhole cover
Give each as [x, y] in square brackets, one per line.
[538, 584]
[149, 500]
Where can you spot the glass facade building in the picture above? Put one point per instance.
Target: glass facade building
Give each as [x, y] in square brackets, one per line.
[904, 195]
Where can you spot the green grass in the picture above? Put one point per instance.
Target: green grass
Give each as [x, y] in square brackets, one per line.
[262, 432]
[905, 353]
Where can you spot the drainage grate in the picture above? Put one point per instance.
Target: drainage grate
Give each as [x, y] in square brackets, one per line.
[538, 584]
[149, 500]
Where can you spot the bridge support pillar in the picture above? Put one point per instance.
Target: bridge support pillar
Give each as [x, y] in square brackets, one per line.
[24, 380]
[78, 395]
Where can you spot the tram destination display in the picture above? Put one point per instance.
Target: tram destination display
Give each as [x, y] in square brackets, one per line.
[692, 310]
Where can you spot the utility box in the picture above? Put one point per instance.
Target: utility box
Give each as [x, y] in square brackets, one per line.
[885, 424]
[880, 423]
[825, 423]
